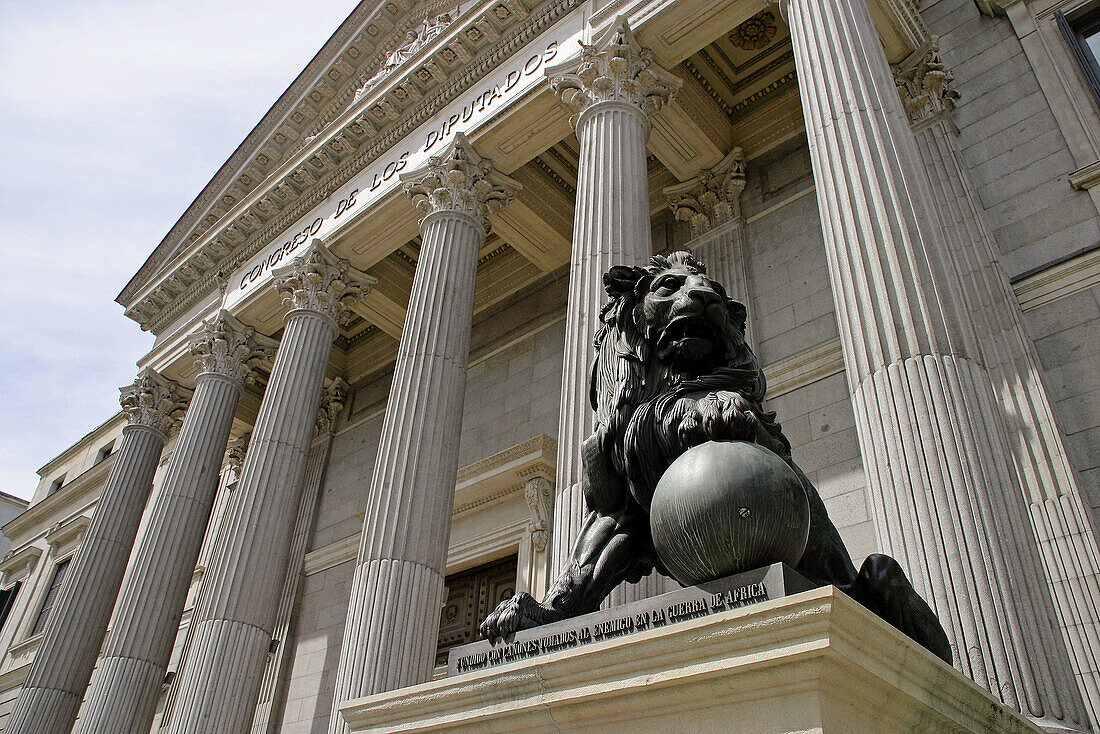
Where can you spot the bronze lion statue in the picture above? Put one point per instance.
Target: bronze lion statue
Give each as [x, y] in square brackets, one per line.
[672, 371]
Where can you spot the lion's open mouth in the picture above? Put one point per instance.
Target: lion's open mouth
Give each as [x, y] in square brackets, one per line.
[695, 335]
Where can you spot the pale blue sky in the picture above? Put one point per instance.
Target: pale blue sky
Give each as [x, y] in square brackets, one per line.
[113, 115]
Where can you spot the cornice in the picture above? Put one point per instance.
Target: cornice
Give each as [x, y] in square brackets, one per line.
[62, 533]
[541, 446]
[40, 514]
[365, 131]
[14, 677]
[16, 561]
[353, 33]
[118, 420]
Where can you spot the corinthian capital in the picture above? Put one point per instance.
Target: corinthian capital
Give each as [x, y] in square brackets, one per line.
[333, 399]
[225, 346]
[713, 197]
[459, 180]
[614, 68]
[925, 84]
[153, 401]
[236, 451]
[319, 281]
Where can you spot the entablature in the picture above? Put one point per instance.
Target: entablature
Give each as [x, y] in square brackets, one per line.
[341, 184]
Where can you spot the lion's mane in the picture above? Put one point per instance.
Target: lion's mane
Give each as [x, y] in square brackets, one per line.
[640, 399]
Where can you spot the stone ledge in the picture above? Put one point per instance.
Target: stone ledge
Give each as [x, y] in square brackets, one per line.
[815, 661]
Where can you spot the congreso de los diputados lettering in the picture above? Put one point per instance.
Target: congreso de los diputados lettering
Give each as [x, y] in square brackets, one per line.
[434, 342]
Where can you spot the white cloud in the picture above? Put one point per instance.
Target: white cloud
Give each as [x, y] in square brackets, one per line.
[114, 115]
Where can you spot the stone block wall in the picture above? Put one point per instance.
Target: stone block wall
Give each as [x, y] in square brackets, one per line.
[1067, 339]
[1017, 155]
[513, 396]
[308, 688]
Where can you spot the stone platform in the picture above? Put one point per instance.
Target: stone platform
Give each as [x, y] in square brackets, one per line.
[691, 602]
[812, 662]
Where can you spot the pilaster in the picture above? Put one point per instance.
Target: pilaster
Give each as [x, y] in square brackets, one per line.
[58, 676]
[221, 678]
[397, 589]
[711, 204]
[614, 87]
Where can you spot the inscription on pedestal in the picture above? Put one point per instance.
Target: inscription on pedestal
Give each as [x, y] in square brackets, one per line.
[751, 587]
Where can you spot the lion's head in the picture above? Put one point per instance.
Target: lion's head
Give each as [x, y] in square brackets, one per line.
[664, 323]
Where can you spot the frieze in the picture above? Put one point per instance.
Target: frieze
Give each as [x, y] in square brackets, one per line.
[349, 32]
[157, 318]
[371, 182]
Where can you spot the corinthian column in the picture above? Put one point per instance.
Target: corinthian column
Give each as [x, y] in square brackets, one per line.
[711, 204]
[397, 590]
[126, 685]
[1067, 543]
[63, 664]
[614, 86]
[221, 677]
[945, 498]
[332, 405]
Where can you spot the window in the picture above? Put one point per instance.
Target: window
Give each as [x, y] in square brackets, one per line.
[103, 452]
[1082, 33]
[7, 600]
[56, 485]
[471, 595]
[51, 596]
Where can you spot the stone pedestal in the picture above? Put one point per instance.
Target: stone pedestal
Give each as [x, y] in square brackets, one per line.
[614, 87]
[221, 677]
[127, 683]
[63, 664]
[945, 499]
[397, 589]
[813, 662]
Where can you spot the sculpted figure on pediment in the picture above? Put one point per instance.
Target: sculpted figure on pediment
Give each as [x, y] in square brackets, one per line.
[415, 40]
[434, 26]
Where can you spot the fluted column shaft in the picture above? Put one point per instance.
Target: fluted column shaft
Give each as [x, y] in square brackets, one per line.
[51, 695]
[126, 685]
[611, 226]
[945, 500]
[1067, 542]
[397, 589]
[274, 680]
[221, 677]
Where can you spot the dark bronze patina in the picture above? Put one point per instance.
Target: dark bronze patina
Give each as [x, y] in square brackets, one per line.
[673, 371]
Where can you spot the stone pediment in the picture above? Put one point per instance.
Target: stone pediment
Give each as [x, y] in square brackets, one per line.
[354, 53]
[346, 137]
[383, 75]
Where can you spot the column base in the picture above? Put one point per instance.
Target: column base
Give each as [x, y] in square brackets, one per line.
[44, 711]
[814, 661]
[122, 696]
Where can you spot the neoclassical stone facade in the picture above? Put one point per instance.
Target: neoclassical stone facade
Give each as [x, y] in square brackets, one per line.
[360, 425]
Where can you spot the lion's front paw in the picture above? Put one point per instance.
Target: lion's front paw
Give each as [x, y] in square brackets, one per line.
[720, 416]
[518, 613]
